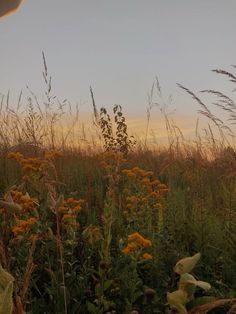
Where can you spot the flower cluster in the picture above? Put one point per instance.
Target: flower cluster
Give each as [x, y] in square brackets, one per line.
[51, 154]
[137, 172]
[92, 234]
[23, 226]
[69, 209]
[27, 203]
[141, 191]
[32, 165]
[139, 239]
[110, 160]
[136, 242]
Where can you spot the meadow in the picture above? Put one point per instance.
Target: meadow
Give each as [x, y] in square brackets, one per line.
[115, 227]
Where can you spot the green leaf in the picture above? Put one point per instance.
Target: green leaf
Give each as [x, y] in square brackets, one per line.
[107, 284]
[91, 308]
[98, 289]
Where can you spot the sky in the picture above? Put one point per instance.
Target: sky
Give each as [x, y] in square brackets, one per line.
[118, 48]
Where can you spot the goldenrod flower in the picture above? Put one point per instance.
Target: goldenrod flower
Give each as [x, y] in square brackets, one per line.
[92, 234]
[146, 243]
[126, 250]
[147, 256]
[132, 245]
[23, 226]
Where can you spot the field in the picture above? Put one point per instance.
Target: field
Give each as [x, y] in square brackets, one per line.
[118, 227]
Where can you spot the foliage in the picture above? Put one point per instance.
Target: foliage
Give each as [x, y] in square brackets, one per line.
[99, 231]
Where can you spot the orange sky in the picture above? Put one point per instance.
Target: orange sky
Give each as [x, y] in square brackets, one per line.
[157, 133]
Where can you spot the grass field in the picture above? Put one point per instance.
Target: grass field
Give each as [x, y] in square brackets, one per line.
[116, 227]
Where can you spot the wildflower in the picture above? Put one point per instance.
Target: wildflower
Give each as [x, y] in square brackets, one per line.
[130, 174]
[126, 191]
[147, 256]
[29, 167]
[155, 182]
[146, 243]
[16, 156]
[162, 186]
[139, 239]
[52, 154]
[148, 173]
[135, 237]
[153, 194]
[23, 226]
[132, 245]
[33, 237]
[67, 216]
[126, 250]
[24, 200]
[164, 190]
[92, 234]
[131, 199]
[146, 181]
[77, 208]
[158, 206]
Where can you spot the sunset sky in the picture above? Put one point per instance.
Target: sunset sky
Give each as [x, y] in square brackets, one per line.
[118, 47]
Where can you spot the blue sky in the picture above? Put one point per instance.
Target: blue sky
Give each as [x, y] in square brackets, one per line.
[118, 47]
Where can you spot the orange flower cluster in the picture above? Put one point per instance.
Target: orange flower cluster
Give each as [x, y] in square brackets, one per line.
[111, 159]
[92, 234]
[147, 256]
[138, 238]
[49, 155]
[24, 218]
[30, 164]
[137, 172]
[69, 209]
[33, 164]
[24, 200]
[23, 226]
[142, 191]
[136, 242]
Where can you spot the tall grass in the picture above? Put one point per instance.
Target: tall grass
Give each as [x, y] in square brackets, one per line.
[75, 256]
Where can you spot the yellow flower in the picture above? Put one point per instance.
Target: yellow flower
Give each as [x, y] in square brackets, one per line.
[147, 256]
[146, 181]
[131, 199]
[132, 245]
[139, 239]
[52, 154]
[158, 206]
[134, 237]
[17, 156]
[23, 226]
[126, 250]
[130, 174]
[146, 243]
[67, 217]
[92, 234]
